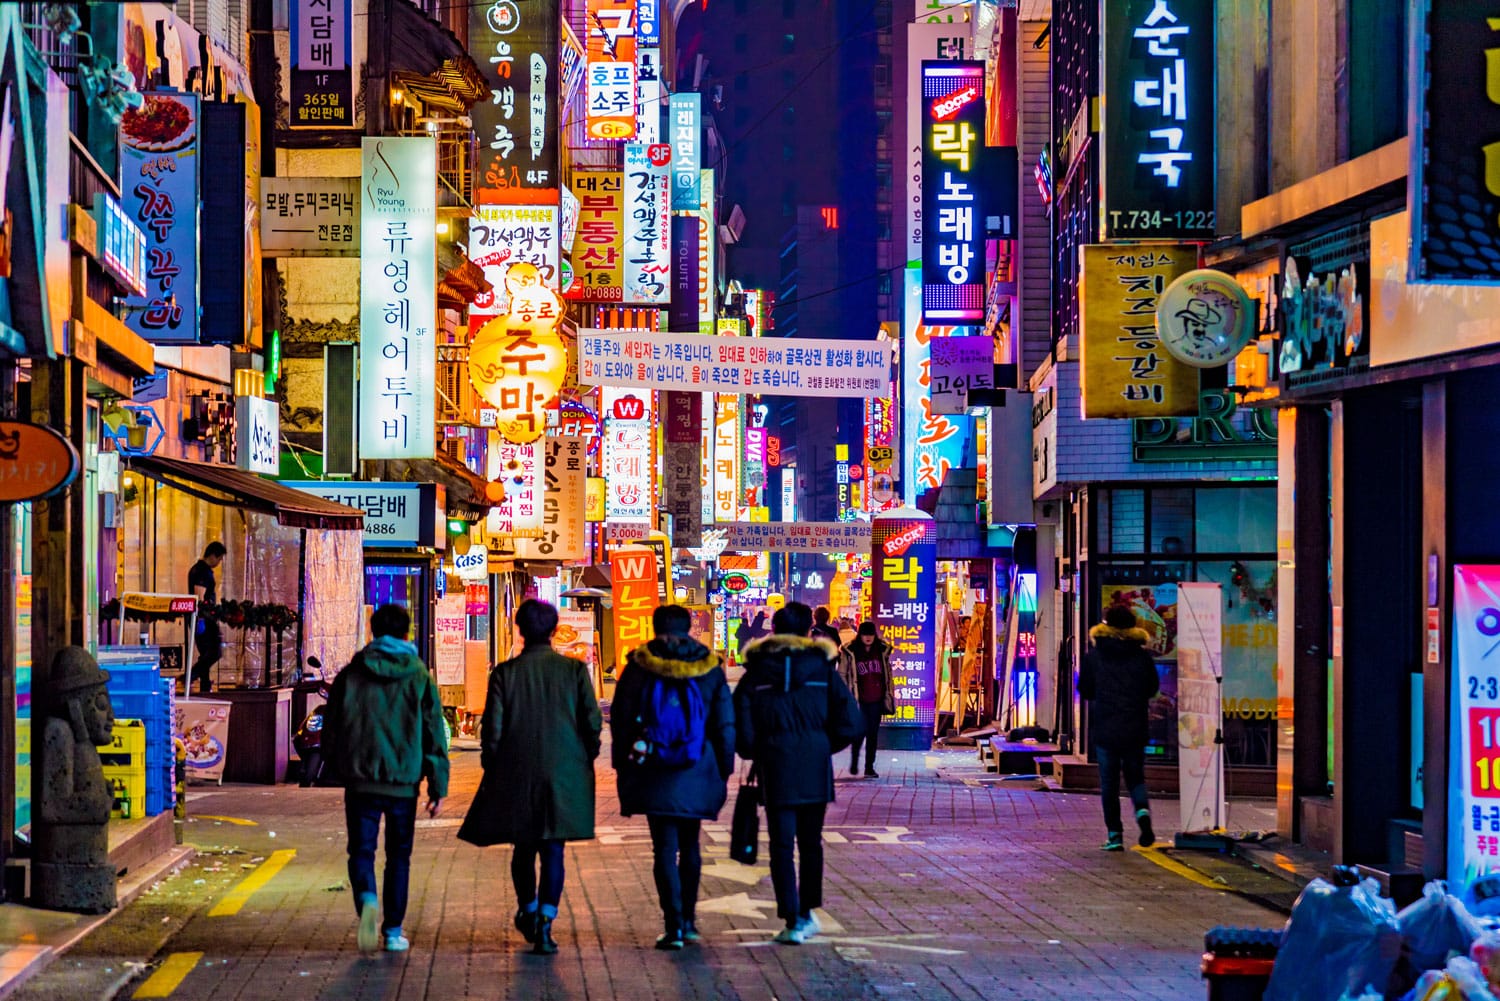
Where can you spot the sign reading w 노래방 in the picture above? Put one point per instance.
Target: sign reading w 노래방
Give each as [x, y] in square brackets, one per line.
[713, 363]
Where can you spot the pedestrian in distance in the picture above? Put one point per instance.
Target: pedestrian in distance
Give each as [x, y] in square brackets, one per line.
[866, 666]
[792, 713]
[539, 737]
[748, 632]
[208, 642]
[1119, 680]
[672, 724]
[383, 729]
[822, 629]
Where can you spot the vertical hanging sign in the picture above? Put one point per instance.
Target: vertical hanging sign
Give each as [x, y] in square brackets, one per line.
[708, 243]
[952, 210]
[562, 537]
[611, 46]
[397, 298]
[903, 553]
[633, 581]
[1160, 120]
[682, 491]
[516, 49]
[159, 188]
[598, 274]
[648, 93]
[322, 78]
[684, 113]
[648, 234]
[684, 312]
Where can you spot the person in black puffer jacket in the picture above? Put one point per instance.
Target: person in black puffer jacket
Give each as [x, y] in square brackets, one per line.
[792, 713]
[1119, 679]
[675, 801]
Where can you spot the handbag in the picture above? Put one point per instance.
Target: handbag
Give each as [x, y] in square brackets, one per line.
[744, 829]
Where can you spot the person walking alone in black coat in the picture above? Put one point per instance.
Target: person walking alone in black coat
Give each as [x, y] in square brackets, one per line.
[792, 713]
[1119, 679]
[676, 798]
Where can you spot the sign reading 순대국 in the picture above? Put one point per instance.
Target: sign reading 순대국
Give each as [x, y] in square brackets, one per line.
[796, 536]
[713, 363]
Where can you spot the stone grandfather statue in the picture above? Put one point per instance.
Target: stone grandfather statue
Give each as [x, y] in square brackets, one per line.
[70, 857]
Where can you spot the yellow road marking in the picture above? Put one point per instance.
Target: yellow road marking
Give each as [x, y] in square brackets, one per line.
[237, 897]
[169, 976]
[1173, 866]
[237, 821]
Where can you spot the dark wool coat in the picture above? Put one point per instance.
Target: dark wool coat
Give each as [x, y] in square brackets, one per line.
[792, 712]
[882, 651]
[1119, 679]
[698, 790]
[539, 739]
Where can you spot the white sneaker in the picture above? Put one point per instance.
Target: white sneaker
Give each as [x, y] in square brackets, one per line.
[396, 942]
[809, 926]
[368, 936]
[791, 936]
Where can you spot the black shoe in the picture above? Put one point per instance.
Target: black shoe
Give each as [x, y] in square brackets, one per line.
[871, 773]
[670, 940]
[854, 768]
[1148, 834]
[526, 925]
[545, 944]
[690, 932]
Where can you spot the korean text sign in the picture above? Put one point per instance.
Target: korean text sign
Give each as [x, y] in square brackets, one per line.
[932, 443]
[1159, 119]
[1125, 370]
[903, 553]
[611, 45]
[322, 81]
[648, 231]
[682, 487]
[1455, 143]
[563, 536]
[726, 454]
[699, 363]
[633, 581]
[309, 216]
[503, 236]
[516, 49]
[684, 112]
[797, 536]
[629, 469]
[708, 282]
[1474, 769]
[159, 189]
[397, 299]
[519, 468]
[959, 365]
[598, 248]
[952, 206]
[684, 311]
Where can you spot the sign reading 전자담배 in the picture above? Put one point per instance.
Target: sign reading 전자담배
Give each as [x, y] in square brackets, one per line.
[1160, 120]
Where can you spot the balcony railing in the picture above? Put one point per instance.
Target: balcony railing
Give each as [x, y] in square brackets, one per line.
[455, 166]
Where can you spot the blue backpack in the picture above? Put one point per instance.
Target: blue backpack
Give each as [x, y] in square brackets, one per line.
[674, 718]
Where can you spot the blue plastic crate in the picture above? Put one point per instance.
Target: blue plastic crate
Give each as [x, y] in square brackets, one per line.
[160, 794]
[149, 706]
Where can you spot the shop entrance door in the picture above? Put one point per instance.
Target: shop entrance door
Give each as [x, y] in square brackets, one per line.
[407, 582]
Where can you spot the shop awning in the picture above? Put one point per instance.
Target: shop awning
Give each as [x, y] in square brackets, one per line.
[237, 488]
[465, 488]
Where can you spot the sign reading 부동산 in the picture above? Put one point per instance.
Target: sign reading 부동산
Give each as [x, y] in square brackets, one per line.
[699, 363]
[796, 536]
[1159, 120]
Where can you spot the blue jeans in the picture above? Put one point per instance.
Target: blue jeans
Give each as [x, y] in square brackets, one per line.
[523, 875]
[678, 866]
[1111, 762]
[362, 813]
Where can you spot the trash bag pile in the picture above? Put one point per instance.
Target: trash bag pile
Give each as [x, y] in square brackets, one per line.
[1348, 943]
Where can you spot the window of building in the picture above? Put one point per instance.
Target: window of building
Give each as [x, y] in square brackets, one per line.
[789, 116]
[788, 152]
[789, 43]
[741, 43]
[742, 81]
[883, 285]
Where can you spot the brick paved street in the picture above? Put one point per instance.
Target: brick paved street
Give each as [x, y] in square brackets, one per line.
[937, 888]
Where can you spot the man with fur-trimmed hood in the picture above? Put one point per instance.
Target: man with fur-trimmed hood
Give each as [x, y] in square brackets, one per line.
[1119, 679]
[792, 713]
[675, 801]
[866, 666]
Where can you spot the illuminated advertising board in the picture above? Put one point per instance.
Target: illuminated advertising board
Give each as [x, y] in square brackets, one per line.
[159, 164]
[398, 298]
[708, 243]
[684, 118]
[726, 458]
[932, 443]
[611, 48]
[1160, 123]
[629, 436]
[952, 208]
[633, 582]
[322, 81]
[598, 272]
[685, 262]
[502, 237]
[563, 535]
[516, 48]
[647, 250]
[903, 599]
[925, 41]
[682, 489]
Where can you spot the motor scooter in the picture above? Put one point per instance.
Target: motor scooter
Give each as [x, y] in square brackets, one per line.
[308, 740]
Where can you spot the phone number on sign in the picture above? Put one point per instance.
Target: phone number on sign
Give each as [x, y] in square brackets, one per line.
[1191, 219]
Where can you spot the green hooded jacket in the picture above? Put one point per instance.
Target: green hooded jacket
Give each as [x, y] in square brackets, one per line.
[383, 727]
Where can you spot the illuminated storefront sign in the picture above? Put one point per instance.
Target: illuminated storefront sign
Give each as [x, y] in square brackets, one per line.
[880, 437]
[503, 236]
[122, 244]
[611, 46]
[598, 273]
[516, 49]
[629, 433]
[953, 210]
[726, 458]
[322, 82]
[682, 489]
[708, 289]
[1124, 370]
[633, 581]
[159, 188]
[903, 597]
[563, 535]
[518, 362]
[684, 312]
[1474, 774]
[648, 95]
[398, 307]
[934, 444]
[925, 41]
[647, 263]
[684, 117]
[519, 468]
[1160, 120]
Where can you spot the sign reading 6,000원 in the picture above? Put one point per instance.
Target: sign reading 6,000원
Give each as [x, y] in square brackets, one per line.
[1159, 119]
[952, 207]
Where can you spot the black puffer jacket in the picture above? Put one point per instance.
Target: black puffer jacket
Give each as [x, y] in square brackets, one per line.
[698, 790]
[792, 712]
[1119, 679]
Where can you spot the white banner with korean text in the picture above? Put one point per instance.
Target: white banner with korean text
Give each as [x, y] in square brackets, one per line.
[796, 536]
[740, 365]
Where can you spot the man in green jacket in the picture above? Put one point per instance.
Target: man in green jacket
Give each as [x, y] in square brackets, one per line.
[384, 731]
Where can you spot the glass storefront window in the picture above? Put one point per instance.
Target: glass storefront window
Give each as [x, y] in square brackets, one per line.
[1236, 520]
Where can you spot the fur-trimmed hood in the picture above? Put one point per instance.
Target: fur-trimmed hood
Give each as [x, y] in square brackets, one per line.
[675, 657]
[1135, 634]
[782, 644]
